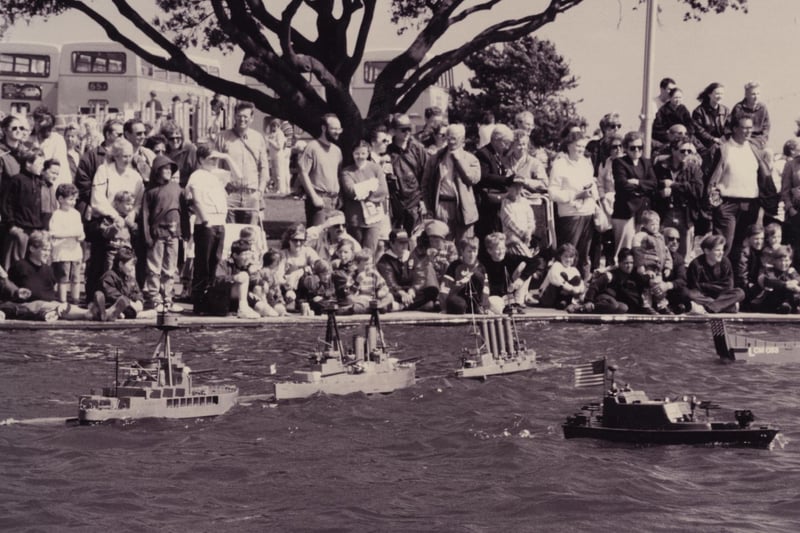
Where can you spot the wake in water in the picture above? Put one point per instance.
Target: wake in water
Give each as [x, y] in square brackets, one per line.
[45, 421]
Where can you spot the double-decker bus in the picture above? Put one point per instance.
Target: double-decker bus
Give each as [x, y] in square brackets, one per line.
[362, 87]
[28, 77]
[106, 75]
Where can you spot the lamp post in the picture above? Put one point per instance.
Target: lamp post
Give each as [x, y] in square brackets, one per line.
[648, 110]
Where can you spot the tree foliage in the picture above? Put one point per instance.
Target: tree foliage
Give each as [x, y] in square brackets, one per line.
[285, 57]
[526, 74]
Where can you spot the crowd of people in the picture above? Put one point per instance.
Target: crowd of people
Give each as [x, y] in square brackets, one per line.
[104, 226]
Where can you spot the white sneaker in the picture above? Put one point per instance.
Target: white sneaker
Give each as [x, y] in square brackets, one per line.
[697, 309]
[175, 308]
[247, 313]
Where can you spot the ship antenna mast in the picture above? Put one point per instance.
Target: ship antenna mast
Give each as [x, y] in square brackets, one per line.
[116, 372]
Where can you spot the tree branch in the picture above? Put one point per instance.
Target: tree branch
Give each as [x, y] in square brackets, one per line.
[486, 6]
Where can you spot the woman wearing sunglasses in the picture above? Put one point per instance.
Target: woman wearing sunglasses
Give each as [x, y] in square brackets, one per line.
[680, 187]
[634, 185]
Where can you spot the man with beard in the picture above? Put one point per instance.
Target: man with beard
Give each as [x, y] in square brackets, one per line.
[319, 166]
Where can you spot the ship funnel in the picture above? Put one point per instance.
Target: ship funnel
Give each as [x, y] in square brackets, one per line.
[509, 333]
[501, 337]
[492, 337]
[372, 339]
[358, 347]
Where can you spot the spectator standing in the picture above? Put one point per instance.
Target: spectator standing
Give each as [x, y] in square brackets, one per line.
[319, 166]
[161, 230]
[634, 184]
[673, 112]
[485, 128]
[206, 193]
[434, 120]
[142, 158]
[599, 150]
[88, 166]
[66, 233]
[22, 204]
[408, 159]
[496, 174]
[741, 183]
[155, 104]
[752, 107]
[51, 142]
[522, 163]
[278, 152]
[710, 119]
[574, 189]
[679, 190]
[364, 191]
[248, 150]
[447, 184]
[73, 140]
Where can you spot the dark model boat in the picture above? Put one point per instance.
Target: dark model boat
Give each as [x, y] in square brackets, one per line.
[732, 347]
[630, 416]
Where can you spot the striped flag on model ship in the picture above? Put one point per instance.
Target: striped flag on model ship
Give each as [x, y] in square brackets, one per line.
[590, 374]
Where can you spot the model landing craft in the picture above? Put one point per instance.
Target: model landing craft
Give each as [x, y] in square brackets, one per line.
[732, 347]
[367, 368]
[159, 387]
[631, 416]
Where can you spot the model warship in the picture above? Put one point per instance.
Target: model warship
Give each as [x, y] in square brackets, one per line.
[498, 350]
[630, 416]
[367, 368]
[732, 347]
[159, 387]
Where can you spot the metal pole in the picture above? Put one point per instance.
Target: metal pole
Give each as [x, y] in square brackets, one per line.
[648, 113]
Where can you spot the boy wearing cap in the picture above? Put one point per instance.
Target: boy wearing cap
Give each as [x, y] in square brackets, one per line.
[409, 281]
[434, 244]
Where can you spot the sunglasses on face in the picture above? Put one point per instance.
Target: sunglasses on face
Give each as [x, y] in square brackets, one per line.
[176, 138]
[614, 126]
[405, 129]
[687, 151]
[616, 147]
[298, 241]
[140, 133]
[636, 148]
[672, 239]
[18, 128]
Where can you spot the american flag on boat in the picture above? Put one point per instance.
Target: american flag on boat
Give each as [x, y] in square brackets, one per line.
[590, 374]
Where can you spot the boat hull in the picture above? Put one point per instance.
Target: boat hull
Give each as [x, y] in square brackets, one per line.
[732, 347]
[134, 408]
[343, 384]
[753, 437]
[495, 367]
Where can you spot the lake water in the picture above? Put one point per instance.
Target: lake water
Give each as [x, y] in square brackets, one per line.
[444, 455]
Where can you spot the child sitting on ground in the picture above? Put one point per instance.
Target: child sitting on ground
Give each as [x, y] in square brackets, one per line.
[465, 287]
[654, 261]
[517, 218]
[119, 285]
[344, 273]
[265, 286]
[509, 275]
[773, 234]
[563, 286]
[370, 286]
[316, 289]
[781, 284]
[118, 235]
[66, 233]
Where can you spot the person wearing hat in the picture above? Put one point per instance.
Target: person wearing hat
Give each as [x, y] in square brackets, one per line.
[155, 104]
[437, 247]
[325, 238]
[447, 184]
[411, 284]
[517, 218]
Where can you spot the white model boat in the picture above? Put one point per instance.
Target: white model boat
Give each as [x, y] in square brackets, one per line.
[498, 350]
[367, 368]
[159, 387]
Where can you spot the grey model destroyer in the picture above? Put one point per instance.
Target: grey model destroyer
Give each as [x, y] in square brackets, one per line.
[367, 368]
[159, 387]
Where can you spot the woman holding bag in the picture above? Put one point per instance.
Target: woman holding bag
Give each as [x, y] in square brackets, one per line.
[364, 191]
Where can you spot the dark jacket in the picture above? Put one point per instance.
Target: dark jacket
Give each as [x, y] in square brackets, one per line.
[632, 199]
[408, 166]
[84, 177]
[500, 273]
[709, 280]
[709, 123]
[23, 201]
[115, 285]
[624, 288]
[467, 173]
[38, 278]
[669, 116]
[686, 189]
[161, 205]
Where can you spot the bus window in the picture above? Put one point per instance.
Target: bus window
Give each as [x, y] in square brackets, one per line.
[147, 69]
[372, 69]
[99, 62]
[21, 91]
[12, 64]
